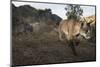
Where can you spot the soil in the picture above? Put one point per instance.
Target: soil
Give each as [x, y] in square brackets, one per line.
[46, 48]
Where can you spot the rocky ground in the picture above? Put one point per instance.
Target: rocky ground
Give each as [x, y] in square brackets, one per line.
[45, 48]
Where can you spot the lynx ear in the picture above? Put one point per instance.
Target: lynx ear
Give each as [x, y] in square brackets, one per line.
[88, 24]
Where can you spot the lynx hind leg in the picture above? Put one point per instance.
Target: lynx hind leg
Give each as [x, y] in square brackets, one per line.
[76, 42]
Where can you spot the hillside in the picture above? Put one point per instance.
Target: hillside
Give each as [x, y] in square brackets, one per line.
[25, 17]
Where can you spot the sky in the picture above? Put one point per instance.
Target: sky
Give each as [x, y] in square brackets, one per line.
[58, 9]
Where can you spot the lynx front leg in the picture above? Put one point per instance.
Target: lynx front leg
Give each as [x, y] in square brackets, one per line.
[60, 36]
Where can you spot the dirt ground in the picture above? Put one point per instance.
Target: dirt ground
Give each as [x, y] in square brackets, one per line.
[46, 48]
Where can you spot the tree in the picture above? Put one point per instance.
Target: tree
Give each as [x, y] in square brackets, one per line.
[74, 12]
[48, 11]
